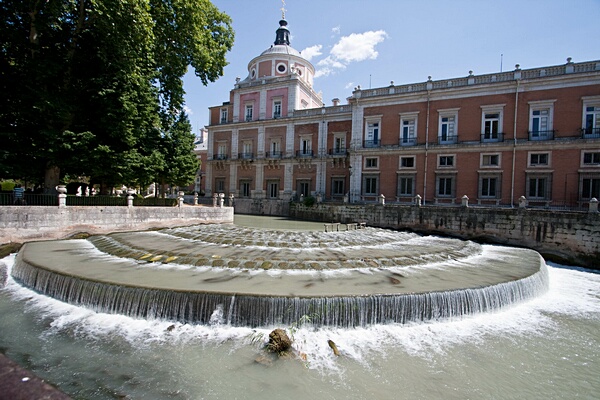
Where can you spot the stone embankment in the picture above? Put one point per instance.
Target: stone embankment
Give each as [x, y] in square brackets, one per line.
[26, 223]
[569, 237]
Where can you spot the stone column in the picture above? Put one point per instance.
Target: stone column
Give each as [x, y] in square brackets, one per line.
[180, 199]
[62, 195]
[593, 205]
[382, 199]
[221, 199]
[418, 200]
[130, 193]
[465, 201]
[195, 198]
[231, 197]
[522, 202]
[215, 199]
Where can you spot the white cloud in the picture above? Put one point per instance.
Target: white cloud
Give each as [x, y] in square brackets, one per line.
[355, 47]
[336, 30]
[358, 46]
[349, 85]
[187, 110]
[312, 51]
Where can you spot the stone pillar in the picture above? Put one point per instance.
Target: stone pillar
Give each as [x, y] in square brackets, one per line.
[593, 205]
[195, 198]
[319, 198]
[418, 200]
[180, 199]
[221, 199]
[465, 201]
[215, 199]
[382, 199]
[231, 197]
[522, 202]
[62, 195]
[346, 198]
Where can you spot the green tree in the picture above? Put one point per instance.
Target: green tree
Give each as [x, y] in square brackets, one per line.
[94, 87]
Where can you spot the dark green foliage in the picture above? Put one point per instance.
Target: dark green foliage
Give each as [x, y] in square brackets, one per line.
[94, 87]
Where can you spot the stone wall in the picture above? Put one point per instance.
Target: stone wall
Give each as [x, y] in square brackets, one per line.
[274, 207]
[564, 236]
[23, 223]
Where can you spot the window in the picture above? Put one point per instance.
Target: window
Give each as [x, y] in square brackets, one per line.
[446, 161]
[221, 151]
[275, 149]
[277, 108]
[407, 162]
[372, 136]
[223, 115]
[489, 187]
[591, 158]
[246, 149]
[590, 186]
[591, 126]
[249, 112]
[305, 146]
[408, 130]
[445, 186]
[447, 126]
[273, 189]
[538, 187]
[490, 160]
[338, 186]
[491, 126]
[245, 188]
[370, 184]
[540, 120]
[339, 144]
[220, 185]
[538, 159]
[406, 186]
[371, 162]
[281, 68]
[304, 188]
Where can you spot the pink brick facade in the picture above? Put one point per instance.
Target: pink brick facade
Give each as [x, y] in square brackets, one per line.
[494, 138]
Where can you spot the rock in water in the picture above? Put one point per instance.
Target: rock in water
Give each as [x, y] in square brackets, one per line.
[279, 341]
[333, 347]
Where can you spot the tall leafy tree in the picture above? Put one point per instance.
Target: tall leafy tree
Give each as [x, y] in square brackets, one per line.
[94, 87]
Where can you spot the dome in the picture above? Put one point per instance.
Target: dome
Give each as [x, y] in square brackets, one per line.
[281, 49]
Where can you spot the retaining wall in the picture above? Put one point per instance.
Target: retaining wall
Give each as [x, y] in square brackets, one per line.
[23, 223]
[570, 237]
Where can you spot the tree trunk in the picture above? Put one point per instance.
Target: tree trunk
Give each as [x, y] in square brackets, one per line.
[51, 179]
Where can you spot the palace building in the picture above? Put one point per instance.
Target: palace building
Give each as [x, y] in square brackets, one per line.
[495, 138]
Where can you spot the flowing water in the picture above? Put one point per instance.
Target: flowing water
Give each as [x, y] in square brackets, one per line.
[547, 347]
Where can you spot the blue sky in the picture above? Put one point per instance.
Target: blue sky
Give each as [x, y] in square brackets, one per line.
[370, 43]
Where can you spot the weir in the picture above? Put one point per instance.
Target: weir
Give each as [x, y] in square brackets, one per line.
[242, 276]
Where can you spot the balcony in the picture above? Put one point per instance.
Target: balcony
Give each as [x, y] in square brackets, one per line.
[491, 137]
[220, 156]
[273, 154]
[338, 152]
[407, 141]
[245, 156]
[371, 143]
[590, 133]
[541, 135]
[304, 153]
[447, 139]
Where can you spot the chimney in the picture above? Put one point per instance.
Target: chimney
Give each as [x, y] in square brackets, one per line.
[336, 102]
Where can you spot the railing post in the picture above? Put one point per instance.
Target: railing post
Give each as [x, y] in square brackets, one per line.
[215, 199]
[522, 202]
[593, 205]
[180, 199]
[221, 199]
[62, 196]
[195, 198]
[465, 201]
[231, 197]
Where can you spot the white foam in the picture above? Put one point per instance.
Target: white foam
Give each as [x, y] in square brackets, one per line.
[571, 293]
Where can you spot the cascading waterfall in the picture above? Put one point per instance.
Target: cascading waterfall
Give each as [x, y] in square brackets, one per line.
[281, 278]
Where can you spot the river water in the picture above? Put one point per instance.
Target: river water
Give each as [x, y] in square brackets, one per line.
[546, 348]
